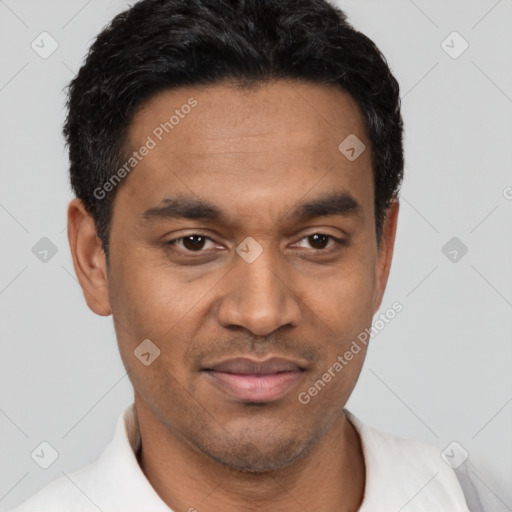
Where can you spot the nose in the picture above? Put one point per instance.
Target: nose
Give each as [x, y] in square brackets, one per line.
[259, 296]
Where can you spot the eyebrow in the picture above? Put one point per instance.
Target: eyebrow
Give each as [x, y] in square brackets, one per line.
[185, 207]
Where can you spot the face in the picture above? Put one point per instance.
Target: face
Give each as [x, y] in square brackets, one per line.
[243, 246]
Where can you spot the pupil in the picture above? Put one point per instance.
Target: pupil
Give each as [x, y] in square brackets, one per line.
[316, 237]
[193, 245]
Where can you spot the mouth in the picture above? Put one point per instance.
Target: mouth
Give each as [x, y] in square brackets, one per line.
[250, 380]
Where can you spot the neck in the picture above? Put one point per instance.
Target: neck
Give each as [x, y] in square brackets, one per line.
[331, 477]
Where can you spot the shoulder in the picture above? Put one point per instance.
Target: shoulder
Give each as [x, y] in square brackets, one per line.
[114, 482]
[403, 474]
[62, 495]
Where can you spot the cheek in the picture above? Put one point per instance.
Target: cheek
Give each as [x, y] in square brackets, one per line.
[151, 298]
[153, 302]
[147, 304]
[343, 300]
[356, 300]
[342, 309]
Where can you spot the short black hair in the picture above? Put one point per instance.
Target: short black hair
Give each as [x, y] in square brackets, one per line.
[163, 44]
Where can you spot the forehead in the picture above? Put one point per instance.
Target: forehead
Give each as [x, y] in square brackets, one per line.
[242, 147]
[305, 114]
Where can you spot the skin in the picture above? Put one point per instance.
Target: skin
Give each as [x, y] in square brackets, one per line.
[256, 154]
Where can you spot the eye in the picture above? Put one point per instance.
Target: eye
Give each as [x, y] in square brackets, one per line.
[318, 241]
[191, 243]
[196, 242]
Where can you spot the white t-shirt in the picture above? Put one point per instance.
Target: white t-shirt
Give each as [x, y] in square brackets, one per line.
[401, 476]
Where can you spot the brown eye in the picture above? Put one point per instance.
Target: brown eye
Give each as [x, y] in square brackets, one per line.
[191, 243]
[318, 240]
[194, 242]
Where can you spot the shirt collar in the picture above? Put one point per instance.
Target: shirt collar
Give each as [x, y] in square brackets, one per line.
[118, 480]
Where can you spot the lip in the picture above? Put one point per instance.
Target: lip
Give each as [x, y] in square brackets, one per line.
[251, 380]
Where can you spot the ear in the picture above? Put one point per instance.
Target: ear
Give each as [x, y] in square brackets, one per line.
[385, 252]
[88, 258]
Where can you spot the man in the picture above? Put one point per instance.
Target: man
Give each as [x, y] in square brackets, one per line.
[237, 167]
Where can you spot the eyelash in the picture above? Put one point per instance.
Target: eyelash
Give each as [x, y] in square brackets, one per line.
[338, 242]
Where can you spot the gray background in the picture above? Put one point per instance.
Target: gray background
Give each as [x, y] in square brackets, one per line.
[439, 372]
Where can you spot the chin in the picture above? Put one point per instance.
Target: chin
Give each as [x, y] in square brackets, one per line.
[268, 452]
